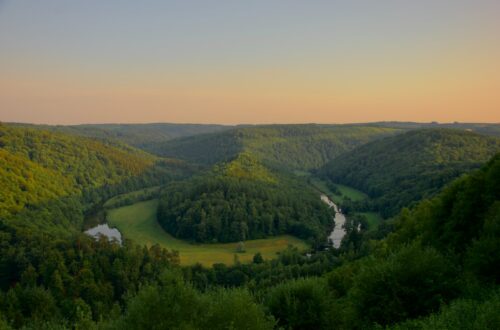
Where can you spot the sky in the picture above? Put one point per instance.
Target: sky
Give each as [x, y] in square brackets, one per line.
[259, 61]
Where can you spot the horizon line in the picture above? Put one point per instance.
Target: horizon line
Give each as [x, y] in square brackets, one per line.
[251, 124]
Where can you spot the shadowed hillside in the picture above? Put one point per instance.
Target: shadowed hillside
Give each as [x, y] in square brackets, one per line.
[399, 170]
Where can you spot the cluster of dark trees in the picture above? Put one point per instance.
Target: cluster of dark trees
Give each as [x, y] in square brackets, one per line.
[71, 281]
[223, 208]
[399, 171]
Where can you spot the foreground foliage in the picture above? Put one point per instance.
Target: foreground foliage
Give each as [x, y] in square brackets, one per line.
[434, 266]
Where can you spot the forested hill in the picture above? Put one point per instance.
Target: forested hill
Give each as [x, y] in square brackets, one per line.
[481, 128]
[243, 200]
[399, 170]
[441, 258]
[38, 166]
[301, 147]
[137, 135]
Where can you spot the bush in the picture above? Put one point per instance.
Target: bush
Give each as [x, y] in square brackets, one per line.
[410, 283]
[300, 304]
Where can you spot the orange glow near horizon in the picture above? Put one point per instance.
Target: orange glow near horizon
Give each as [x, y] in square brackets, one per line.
[456, 80]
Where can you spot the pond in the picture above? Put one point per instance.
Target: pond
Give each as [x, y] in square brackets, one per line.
[105, 230]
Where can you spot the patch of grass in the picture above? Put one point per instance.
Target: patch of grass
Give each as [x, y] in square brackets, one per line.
[321, 186]
[303, 174]
[354, 194]
[373, 218]
[131, 197]
[138, 222]
[345, 191]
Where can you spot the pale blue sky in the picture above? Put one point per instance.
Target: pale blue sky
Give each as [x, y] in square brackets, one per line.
[116, 43]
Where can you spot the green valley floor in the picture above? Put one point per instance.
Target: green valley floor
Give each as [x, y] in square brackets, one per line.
[138, 222]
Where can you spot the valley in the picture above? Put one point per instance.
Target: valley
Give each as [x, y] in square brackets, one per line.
[246, 216]
[249, 165]
[139, 223]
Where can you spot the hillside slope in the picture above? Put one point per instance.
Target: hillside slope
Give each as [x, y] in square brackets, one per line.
[480, 128]
[137, 135]
[242, 200]
[301, 147]
[399, 170]
[37, 166]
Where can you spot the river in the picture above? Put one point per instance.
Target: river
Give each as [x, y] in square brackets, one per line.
[338, 232]
[335, 236]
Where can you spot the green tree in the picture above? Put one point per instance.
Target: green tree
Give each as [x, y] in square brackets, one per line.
[300, 304]
[257, 258]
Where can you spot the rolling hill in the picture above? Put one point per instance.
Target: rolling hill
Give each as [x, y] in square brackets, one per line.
[137, 135]
[438, 265]
[300, 147]
[39, 165]
[399, 170]
[480, 128]
[47, 177]
[242, 200]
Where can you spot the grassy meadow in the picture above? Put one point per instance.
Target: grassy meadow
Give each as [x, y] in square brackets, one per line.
[138, 222]
[351, 193]
[345, 191]
[131, 197]
[373, 218]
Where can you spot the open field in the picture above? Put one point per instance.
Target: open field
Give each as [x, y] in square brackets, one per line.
[374, 219]
[138, 222]
[345, 191]
[351, 193]
[131, 197]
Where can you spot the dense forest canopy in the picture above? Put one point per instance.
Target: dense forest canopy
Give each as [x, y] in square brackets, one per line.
[301, 147]
[399, 170]
[137, 135]
[434, 265]
[242, 200]
[38, 166]
[44, 174]
[481, 128]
